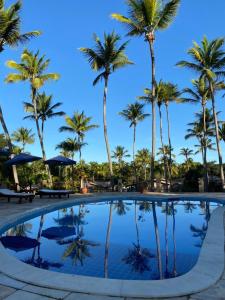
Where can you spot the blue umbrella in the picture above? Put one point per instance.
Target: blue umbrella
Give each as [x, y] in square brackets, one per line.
[22, 158]
[60, 161]
[58, 233]
[19, 243]
[4, 152]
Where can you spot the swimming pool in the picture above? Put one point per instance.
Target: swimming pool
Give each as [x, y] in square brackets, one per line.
[120, 239]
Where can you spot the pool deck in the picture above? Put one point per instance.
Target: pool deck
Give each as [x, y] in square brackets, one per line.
[12, 289]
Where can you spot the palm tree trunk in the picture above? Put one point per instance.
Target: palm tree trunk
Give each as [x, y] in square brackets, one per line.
[159, 258]
[106, 260]
[136, 225]
[166, 240]
[34, 92]
[162, 145]
[174, 244]
[206, 177]
[134, 142]
[170, 144]
[105, 127]
[217, 136]
[151, 40]
[9, 142]
[79, 141]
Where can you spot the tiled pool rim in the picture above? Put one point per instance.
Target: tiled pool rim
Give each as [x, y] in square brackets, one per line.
[206, 272]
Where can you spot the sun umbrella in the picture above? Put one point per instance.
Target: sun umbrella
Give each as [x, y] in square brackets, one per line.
[4, 152]
[22, 158]
[19, 243]
[60, 161]
[58, 233]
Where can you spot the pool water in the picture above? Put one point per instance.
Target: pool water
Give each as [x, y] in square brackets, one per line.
[129, 239]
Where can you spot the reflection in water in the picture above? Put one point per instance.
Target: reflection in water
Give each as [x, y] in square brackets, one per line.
[132, 239]
[138, 257]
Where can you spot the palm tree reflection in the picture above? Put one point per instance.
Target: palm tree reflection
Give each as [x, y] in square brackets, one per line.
[121, 207]
[138, 257]
[38, 261]
[78, 249]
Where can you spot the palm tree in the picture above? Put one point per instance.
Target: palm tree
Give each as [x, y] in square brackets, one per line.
[202, 130]
[45, 110]
[143, 159]
[145, 17]
[78, 124]
[106, 57]
[187, 153]
[209, 61]
[70, 146]
[171, 94]
[24, 136]
[119, 154]
[222, 131]
[134, 113]
[10, 35]
[32, 69]
[200, 93]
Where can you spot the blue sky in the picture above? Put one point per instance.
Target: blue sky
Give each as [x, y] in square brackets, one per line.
[68, 25]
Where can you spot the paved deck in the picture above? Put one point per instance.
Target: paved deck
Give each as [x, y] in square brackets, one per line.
[14, 290]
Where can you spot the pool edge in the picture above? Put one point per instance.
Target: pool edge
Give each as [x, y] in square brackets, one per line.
[206, 272]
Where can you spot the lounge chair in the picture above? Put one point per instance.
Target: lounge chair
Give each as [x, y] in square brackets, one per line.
[6, 193]
[54, 193]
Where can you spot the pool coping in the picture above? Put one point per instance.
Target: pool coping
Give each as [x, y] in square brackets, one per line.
[207, 271]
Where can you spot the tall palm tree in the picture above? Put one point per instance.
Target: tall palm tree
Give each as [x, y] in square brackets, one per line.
[119, 154]
[32, 69]
[24, 136]
[187, 153]
[134, 113]
[78, 124]
[171, 94]
[45, 110]
[209, 61]
[10, 35]
[145, 18]
[106, 57]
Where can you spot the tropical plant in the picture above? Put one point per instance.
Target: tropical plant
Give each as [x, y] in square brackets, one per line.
[187, 153]
[143, 160]
[106, 57]
[78, 124]
[24, 136]
[202, 129]
[119, 154]
[11, 36]
[134, 113]
[145, 17]
[70, 146]
[208, 59]
[32, 69]
[45, 110]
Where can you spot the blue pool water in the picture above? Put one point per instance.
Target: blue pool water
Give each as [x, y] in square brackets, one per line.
[130, 239]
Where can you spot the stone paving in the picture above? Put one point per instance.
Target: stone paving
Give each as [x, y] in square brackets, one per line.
[11, 289]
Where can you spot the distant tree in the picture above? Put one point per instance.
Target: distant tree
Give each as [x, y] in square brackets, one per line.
[119, 154]
[134, 113]
[24, 136]
[79, 124]
[45, 110]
